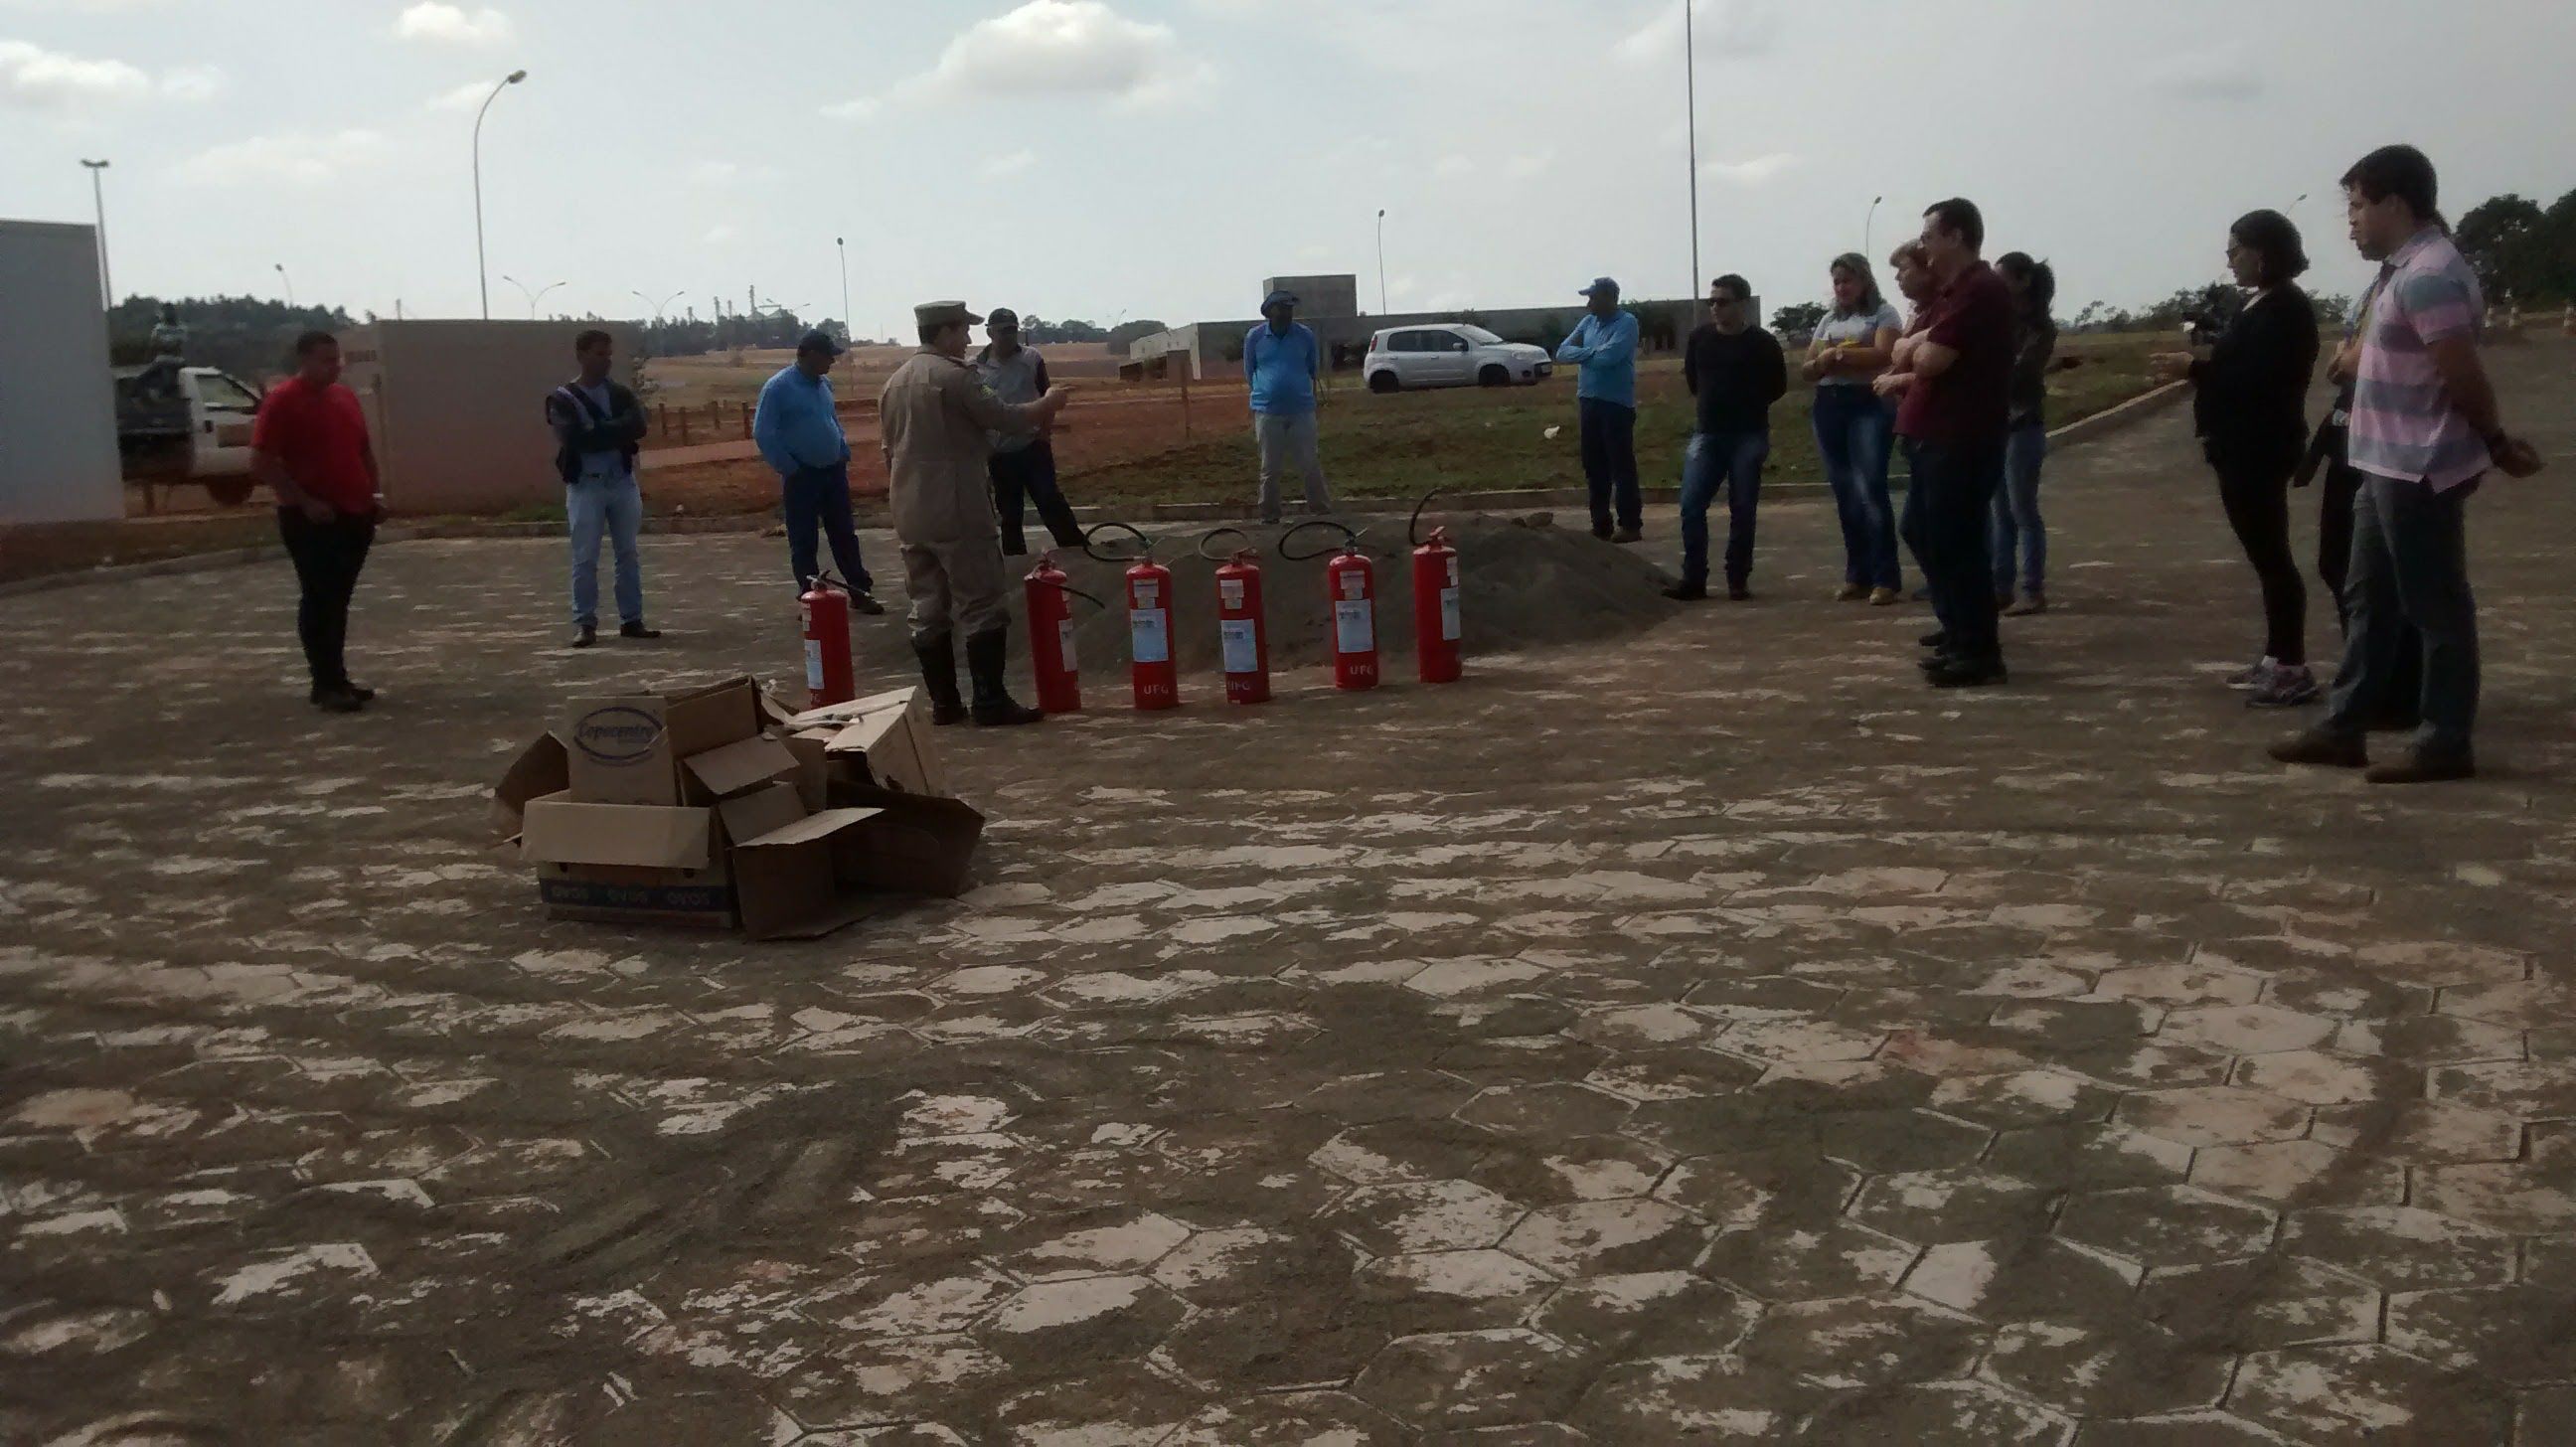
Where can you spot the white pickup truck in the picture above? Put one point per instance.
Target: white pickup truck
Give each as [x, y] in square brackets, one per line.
[180, 425]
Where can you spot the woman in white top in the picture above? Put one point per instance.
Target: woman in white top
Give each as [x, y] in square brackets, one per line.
[1856, 428]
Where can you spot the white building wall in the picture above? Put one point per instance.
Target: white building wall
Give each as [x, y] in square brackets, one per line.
[58, 459]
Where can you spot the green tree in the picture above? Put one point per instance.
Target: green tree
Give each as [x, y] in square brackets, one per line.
[1798, 318]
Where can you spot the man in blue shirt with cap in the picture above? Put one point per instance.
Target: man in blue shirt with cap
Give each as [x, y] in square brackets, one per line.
[800, 436]
[1604, 345]
[1280, 361]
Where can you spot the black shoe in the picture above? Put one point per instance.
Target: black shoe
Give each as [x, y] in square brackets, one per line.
[1936, 660]
[636, 629]
[1966, 673]
[1015, 547]
[586, 635]
[994, 706]
[1687, 592]
[338, 698]
[1738, 592]
[362, 695]
[939, 679]
[864, 601]
[1936, 639]
[1601, 531]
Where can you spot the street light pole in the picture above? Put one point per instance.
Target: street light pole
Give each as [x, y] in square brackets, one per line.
[657, 306]
[290, 284]
[1690, 102]
[849, 328]
[1381, 261]
[98, 197]
[533, 297]
[1866, 223]
[481, 280]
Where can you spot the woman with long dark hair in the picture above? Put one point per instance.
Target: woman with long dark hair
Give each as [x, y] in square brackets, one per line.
[2250, 409]
[2034, 288]
[1856, 428]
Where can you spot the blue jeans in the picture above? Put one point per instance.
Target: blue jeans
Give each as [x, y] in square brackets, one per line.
[820, 497]
[2410, 566]
[616, 509]
[1732, 461]
[1855, 432]
[1956, 486]
[1609, 442]
[2017, 512]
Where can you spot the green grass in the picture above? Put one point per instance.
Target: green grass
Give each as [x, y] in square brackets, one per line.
[1473, 439]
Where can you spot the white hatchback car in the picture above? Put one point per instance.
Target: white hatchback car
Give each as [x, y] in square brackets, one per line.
[1450, 354]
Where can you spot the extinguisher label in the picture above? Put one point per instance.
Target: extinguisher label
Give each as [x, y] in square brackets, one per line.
[1354, 585]
[1064, 644]
[1242, 647]
[1354, 631]
[1148, 594]
[1449, 629]
[1149, 634]
[814, 664]
[1229, 591]
[1453, 570]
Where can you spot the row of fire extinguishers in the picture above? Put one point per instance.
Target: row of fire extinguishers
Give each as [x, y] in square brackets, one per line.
[1350, 583]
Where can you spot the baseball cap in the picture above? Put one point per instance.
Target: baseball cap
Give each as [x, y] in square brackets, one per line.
[1601, 286]
[1003, 316]
[818, 340]
[1282, 297]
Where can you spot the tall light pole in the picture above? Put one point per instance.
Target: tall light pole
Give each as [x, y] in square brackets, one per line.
[1690, 102]
[1867, 222]
[1381, 261]
[289, 282]
[480, 279]
[2295, 204]
[98, 198]
[657, 306]
[533, 297]
[849, 328]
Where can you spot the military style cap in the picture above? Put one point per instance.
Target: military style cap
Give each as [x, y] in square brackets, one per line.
[942, 313]
[1003, 316]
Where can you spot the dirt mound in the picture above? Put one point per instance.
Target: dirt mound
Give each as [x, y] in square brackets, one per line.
[1520, 586]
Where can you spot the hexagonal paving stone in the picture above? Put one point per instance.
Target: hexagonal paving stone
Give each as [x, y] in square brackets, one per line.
[889, 1381]
[2305, 1173]
[2528, 1089]
[2520, 1334]
[2215, 1115]
[1775, 1188]
[2318, 1078]
[1670, 1075]
[2430, 1040]
[2263, 1301]
[2025, 1097]
[1795, 1040]
[2510, 1196]
[2183, 984]
[2360, 1394]
[1645, 1026]
[2422, 1132]
[1882, 1141]
[1583, 1168]
[2088, 1156]
[1652, 1313]
[2441, 963]
[1802, 1265]
[2549, 1415]
[1864, 1342]
[1279, 1341]
[1071, 1326]
[1949, 1414]
[1492, 1287]
[1297, 1419]
[1970, 1203]
[2166, 1225]
[927, 1300]
[1431, 1216]
[2109, 1369]
[1547, 1112]
[1096, 1244]
[2401, 1248]
[1392, 1151]
[1473, 1378]
[1594, 1237]
[2188, 1429]
[1390, 1095]
[1123, 1406]
[1699, 1399]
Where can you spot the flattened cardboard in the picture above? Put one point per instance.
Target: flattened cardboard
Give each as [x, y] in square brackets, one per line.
[894, 745]
[836, 714]
[539, 770]
[812, 769]
[734, 768]
[618, 751]
[762, 811]
[789, 882]
[713, 716]
[558, 830]
[916, 844]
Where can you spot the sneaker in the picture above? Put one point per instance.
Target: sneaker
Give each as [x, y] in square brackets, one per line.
[2418, 767]
[2323, 748]
[1937, 638]
[2253, 676]
[636, 629]
[1967, 673]
[1882, 597]
[338, 698]
[1851, 593]
[1738, 592]
[2030, 603]
[1599, 530]
[2290, 686]
[362, 695]
[1628, 535]
[864, 601]
[1687, 592]
[584, 636]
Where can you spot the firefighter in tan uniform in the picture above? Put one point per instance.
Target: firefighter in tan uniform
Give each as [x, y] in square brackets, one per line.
[937, 415]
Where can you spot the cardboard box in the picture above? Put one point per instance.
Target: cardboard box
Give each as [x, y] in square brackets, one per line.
[889, 746]
[916, 844]
[627, 863]
[736, 768]
[627, 749]
[788, 878]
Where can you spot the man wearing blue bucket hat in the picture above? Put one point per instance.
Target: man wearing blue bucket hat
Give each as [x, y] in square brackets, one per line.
[1604, 345]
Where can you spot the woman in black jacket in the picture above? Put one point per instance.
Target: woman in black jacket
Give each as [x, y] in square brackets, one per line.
[2251, 413]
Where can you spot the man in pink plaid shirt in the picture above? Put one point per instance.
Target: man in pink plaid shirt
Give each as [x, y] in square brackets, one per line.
[2424, 431]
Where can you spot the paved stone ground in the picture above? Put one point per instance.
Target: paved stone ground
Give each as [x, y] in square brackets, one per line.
[1715, 1038]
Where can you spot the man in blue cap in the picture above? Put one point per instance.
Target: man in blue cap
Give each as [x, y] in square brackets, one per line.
[1281, 360]
[1604, 345]
[800, 436]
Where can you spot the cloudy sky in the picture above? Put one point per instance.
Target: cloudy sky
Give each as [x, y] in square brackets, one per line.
[1101, 158]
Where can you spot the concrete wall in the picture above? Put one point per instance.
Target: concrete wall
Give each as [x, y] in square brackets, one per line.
[457, 408]
[1205, 343]
[1333, 295]
[58, 459]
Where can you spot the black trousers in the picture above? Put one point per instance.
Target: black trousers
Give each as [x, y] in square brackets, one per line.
[1954, 527]
[1607, 434]
[2256, 495]
[328, 556]
[1029, 474]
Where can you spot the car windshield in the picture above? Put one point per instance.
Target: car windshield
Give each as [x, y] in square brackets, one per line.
[1480, 336]
[223, 394]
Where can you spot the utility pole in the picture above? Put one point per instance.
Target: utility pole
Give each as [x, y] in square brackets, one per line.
[480, 279]
[849, 328]
[1867, 222]
[1690, 93]
[98, 198]
[1381, 261]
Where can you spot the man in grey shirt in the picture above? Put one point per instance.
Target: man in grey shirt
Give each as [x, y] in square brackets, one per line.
[1023, 465]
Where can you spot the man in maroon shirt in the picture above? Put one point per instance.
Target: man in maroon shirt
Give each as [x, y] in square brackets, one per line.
[1954, 375]
[310, 446]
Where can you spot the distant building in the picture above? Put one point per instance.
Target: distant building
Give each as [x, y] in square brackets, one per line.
[1319, 297]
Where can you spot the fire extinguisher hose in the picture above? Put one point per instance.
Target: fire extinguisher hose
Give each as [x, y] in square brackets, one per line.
[1413, 529]
[1212, 534]
[1091, 541]
[1350, 539]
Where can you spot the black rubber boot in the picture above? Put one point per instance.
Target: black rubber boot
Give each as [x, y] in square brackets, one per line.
[985, 655]
[939, 677]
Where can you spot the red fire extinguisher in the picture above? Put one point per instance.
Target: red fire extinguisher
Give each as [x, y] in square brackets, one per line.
[1435, 601]
[1242, 639]
[828, 678]
[1051, 655]
[1149, 625]
[1350, 591]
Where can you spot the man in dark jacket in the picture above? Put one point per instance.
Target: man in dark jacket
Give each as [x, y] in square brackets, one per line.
[1736, 372]
[598, 426]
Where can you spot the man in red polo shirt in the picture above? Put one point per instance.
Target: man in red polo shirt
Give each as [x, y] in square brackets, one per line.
[1954, 375]
[310, 447]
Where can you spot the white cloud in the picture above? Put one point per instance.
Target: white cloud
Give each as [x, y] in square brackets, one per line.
[34, 78]
[463, 98]
[1721, 29]
[1753, 171]
[288, 159]
[443, 24]
[193, 83]
[1052, 47]
[2225, 74]
[1010, 165]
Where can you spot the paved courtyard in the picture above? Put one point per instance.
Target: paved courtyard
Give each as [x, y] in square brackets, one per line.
[1712, 1038]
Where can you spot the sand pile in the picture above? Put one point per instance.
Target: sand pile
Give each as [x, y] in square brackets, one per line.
[1520, 586]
